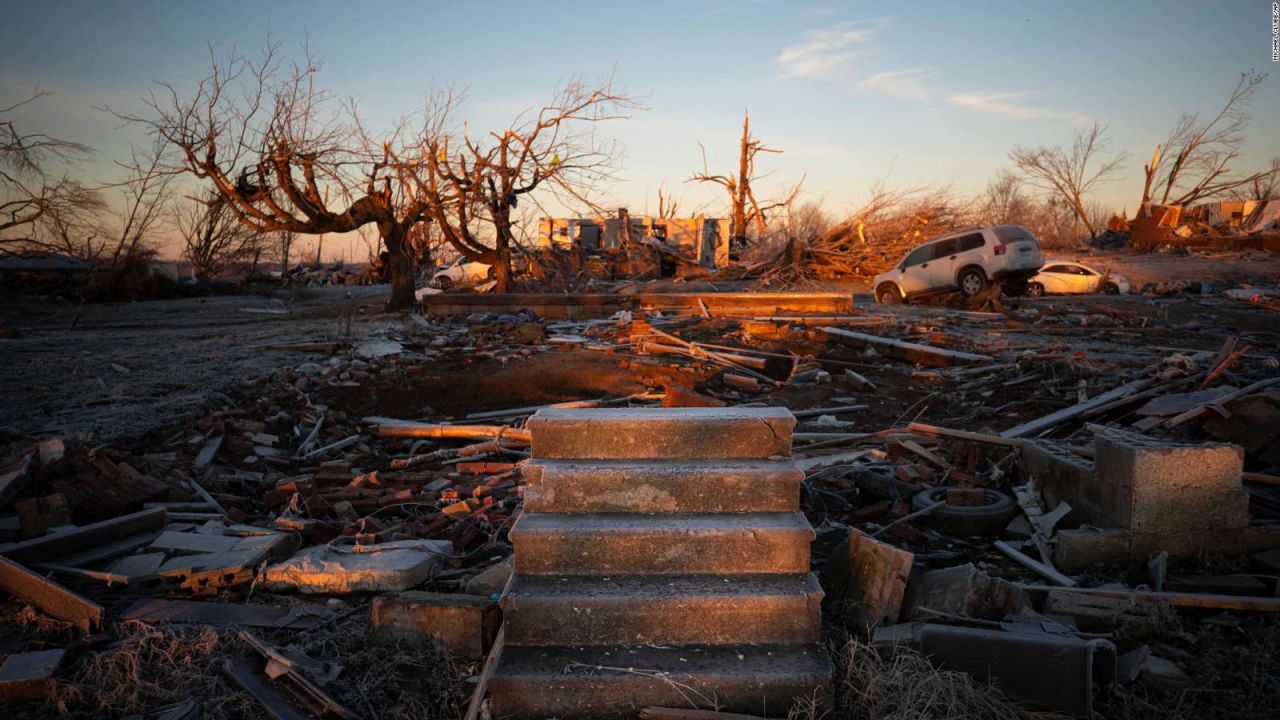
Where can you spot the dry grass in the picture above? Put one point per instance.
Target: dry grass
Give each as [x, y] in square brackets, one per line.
[149, 667]
[905, 686]
[390, 682]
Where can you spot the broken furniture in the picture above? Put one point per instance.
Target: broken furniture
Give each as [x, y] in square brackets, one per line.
[660, 560]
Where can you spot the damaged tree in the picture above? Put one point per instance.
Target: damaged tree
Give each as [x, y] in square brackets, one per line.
[1193, 163]
[212, 236]
[29, 192]
[473, 185]
[1068, 173]
[741, 196]
[277, 152]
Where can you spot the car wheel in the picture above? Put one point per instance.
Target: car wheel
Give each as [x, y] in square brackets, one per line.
[888, 294]
[1111, 289]
[491, 273]
[444, 282]
[972, 282]
[989, 518]
[1035, 290]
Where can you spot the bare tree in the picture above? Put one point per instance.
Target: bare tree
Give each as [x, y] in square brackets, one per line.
[744, 209]
[283, 246]
[145, 196]
[284, 156]
[473, 184]
[1068, 173]
[1193, 163]
[1004, 200]
[30, 189]
[212, 236]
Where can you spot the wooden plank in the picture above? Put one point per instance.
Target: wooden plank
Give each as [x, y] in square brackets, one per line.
[110, 550]
[1043, 570]
[157, 610]
[1199, 410]
[48, 547]
[1053, 419]
[903, 350]
[936, 431]
[1175, 599]
[49, 597]
[490, 662]
[877, 582]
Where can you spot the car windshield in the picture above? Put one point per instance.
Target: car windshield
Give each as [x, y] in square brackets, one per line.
[1008, 234]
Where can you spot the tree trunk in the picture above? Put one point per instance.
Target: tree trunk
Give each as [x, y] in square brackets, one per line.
[399, 266]
[740, 199]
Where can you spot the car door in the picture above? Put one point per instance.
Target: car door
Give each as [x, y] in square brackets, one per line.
[915, 271]
[1055, 280]
[942, 265]
[1085, 279]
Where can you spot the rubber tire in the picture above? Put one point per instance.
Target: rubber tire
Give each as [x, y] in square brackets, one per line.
[970, 289]
[888, 294]
[1035, 289]
[444, 282]
[491, 273]
[988, 519]
[1111, 289]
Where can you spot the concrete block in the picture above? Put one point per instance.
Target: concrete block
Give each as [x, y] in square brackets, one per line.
[671, 433]
[1063, 476]
[390, 566]
[460, 625]
[670, 544]
[657, 486]
[682, 609]
[1075, 551]
[29, 676]
[962, 590]
[762, 680]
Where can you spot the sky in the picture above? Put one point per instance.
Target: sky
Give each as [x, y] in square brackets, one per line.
[854, 93]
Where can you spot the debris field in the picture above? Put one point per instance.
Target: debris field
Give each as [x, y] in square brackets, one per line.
[811, 509]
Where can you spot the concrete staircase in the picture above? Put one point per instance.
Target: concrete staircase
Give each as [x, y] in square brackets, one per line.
[660, 560]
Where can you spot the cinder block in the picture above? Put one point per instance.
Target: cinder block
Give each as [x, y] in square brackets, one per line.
[462, 625]
[1075, 551]
[1163, 486]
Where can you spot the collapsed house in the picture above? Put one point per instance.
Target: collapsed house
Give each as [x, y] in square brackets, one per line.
[701, 239]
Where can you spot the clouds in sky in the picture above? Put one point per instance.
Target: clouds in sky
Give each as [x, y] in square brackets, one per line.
[1011, 105]
[824, 54]
[829, 55]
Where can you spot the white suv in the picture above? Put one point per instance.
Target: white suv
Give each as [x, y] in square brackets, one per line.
[967, 261]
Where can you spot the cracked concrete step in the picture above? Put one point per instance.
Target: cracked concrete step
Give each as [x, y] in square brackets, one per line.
[673, 544]
[674, 433]
[663, 609]
[618, 681]
[650, 486]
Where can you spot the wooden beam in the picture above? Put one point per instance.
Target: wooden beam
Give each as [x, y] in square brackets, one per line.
[903, 350]
[1176, 599]
[49, 596]
[54, 545]
[1053, 419]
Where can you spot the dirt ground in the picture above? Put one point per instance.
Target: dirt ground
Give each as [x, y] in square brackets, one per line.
[114, 371]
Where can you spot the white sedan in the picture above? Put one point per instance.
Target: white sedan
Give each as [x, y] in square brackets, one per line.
[1072, 278]
[463, 273]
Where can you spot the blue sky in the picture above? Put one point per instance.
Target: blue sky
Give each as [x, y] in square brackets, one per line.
[852, 92]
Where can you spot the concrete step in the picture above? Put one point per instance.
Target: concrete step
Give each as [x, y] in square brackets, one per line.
[618, 681]
[663, 609]
[671, 544]
[651, 486]
[673, 433]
